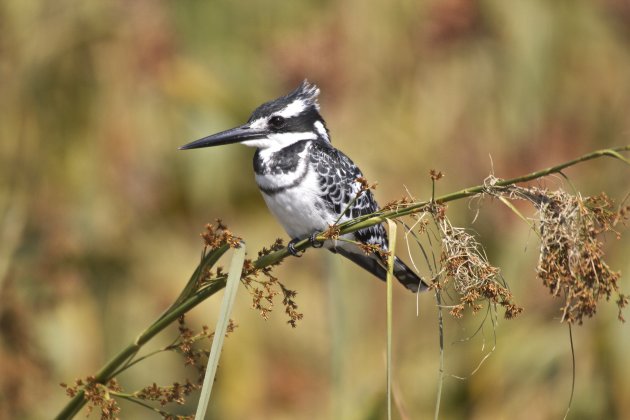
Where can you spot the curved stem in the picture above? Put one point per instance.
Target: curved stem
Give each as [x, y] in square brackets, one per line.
[185, 303]
[380, 217]
[105, 374]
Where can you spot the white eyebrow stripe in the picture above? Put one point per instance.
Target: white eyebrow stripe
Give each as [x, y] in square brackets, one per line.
[294, 108]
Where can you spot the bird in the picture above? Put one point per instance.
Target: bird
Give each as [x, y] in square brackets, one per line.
[308, 184]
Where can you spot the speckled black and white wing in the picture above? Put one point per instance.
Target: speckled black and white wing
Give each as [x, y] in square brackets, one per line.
[339, 187]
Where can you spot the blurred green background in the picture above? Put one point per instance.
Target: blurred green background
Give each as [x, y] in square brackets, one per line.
[101, 215]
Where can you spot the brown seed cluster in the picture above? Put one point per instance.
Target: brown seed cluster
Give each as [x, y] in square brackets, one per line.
[175, 393]
[473, 278]
[332, 232]
[571, 261]
[365, 185]
[370, 249]
[97, 395]
[187, 344]
[103, 397]
[264, 291]
[398, 204]
[218, 234]
[435, 175]
[290, 307]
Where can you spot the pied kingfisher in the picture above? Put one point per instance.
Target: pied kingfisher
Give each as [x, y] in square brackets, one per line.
[308, 184]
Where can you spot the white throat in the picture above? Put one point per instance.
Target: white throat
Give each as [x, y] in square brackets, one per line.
[278, 141]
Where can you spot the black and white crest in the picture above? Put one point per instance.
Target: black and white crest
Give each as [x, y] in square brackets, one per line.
[303, 98]
[290, 118]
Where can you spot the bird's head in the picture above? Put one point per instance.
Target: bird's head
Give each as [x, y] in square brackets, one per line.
[276, 124]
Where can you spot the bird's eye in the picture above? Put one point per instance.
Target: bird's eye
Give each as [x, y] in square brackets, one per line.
[276, 121]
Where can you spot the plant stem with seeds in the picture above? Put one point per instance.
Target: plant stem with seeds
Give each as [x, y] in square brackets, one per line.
[107, 371]
[183, 305]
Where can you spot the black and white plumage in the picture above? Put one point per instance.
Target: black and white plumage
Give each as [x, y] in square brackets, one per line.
[308, 184]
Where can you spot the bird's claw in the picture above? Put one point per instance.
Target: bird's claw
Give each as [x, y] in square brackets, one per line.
[312, 239]
[314, 242]
[291, 247]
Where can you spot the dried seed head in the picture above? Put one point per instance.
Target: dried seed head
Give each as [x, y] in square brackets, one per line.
[473, 278]
[571, 261]
[435, 175]
[218, 235]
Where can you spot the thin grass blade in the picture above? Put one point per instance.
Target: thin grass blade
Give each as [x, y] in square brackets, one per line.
[390, 277]
[516, 211]
[233, 280]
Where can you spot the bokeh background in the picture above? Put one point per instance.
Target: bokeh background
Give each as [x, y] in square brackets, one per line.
[101, 215]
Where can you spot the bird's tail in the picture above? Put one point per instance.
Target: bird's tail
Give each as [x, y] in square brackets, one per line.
[374, 264]
[408, 277]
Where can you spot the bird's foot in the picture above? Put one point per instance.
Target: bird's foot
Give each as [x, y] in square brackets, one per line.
[291, 247]
[312, 239]
[314, 242]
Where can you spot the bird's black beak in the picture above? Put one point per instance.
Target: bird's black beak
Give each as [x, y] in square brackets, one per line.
[233, 135]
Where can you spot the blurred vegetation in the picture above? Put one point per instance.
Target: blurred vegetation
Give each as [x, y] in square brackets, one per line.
[100, 214]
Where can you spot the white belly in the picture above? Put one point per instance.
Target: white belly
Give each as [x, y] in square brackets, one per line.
[300, 210]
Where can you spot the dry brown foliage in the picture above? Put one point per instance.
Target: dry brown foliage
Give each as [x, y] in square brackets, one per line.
[264, 291]
[571, 262]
